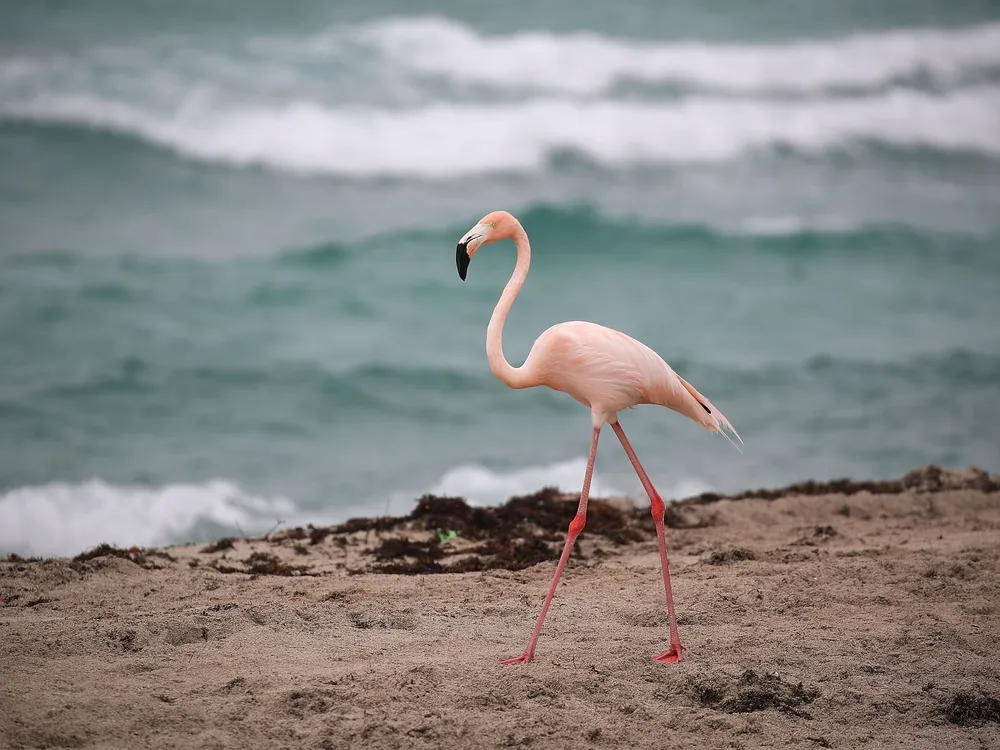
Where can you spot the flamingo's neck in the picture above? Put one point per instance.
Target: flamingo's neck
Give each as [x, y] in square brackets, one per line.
[514, 377]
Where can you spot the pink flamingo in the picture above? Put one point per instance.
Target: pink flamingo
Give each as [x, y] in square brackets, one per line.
[602, 369]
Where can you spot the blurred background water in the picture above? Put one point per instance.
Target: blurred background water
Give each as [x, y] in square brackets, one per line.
[227, 231]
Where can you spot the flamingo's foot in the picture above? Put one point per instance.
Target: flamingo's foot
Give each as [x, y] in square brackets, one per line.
[674, 654]
[522, 659]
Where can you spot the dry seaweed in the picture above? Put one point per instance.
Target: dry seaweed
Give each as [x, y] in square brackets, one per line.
[972, 708]
[395, 548]
[514, 555]
[13, 557]
[132, 554]
[726, 556]
[220, 546]
[522, 532]
[927, 479]
[752, 692]
[264, 564]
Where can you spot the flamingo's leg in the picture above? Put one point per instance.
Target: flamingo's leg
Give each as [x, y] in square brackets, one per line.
[575, 527]
[676, 651]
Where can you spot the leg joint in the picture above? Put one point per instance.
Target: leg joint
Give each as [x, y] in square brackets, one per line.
[577, 524]
[657, 508]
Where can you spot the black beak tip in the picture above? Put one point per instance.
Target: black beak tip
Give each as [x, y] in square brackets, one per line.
[462, 260]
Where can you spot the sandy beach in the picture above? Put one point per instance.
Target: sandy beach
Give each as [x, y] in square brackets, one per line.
[841, 615]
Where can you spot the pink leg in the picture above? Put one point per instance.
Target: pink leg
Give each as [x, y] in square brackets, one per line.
[575, 527]
[676, 651]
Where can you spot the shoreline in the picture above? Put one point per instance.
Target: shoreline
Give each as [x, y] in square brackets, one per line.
[816, 615]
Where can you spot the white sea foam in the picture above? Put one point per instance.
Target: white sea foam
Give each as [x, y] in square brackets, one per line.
[587, 63]
[449, 140]
[483, 486]
[386, 56]
[63, 519]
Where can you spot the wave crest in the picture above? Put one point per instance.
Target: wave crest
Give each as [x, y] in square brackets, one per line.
[587, 63]
[448, 140]
[484, 486]
[63, 519]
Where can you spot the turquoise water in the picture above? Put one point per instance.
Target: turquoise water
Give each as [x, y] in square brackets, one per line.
[227, 282]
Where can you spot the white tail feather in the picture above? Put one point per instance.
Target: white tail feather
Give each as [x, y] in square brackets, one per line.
[717, 421]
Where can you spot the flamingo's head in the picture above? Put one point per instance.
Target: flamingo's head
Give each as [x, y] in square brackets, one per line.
[498, 225]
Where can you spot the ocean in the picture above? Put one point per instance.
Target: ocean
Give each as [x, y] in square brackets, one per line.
[228, 294]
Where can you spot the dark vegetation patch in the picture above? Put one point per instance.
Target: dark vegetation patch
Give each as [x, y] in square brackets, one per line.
[317, 535]
[227, 542]
[972, 708]
[726, 556]
[107, 550]
[13, 557]
[395, 548]
[524, 531]
[133, 554]
[753, 692]
[516, 554]
[927, 479]
[264, 564]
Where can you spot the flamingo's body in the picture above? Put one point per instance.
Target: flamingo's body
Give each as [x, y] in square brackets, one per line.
[609, 371]
[601, 368]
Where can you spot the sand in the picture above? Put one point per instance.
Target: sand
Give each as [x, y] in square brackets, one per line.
[844, 616]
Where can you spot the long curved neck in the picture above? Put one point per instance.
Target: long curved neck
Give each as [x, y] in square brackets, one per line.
[515, 377]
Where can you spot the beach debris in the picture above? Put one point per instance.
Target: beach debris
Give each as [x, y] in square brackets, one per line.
[142, 558]
[926, 479]
[264, 564]
[726, 556]
[220, 545]
[442, 537]
[522, 532]
[972, 708]
[753, 692]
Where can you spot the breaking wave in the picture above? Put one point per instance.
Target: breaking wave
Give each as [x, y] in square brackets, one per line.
[448, 140]
[63, 519]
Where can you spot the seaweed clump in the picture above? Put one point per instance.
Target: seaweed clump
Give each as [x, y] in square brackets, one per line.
[726, 556]
[926, 479]
[752, 692]
[524, 531]
[972, 708]
[264, 564]
[132, 554]
[220, 545]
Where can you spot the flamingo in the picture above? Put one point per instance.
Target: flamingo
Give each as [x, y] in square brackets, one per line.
[604, 370]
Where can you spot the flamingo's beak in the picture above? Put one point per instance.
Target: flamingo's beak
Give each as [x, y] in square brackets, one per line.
[467, 247]
[462, 259]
